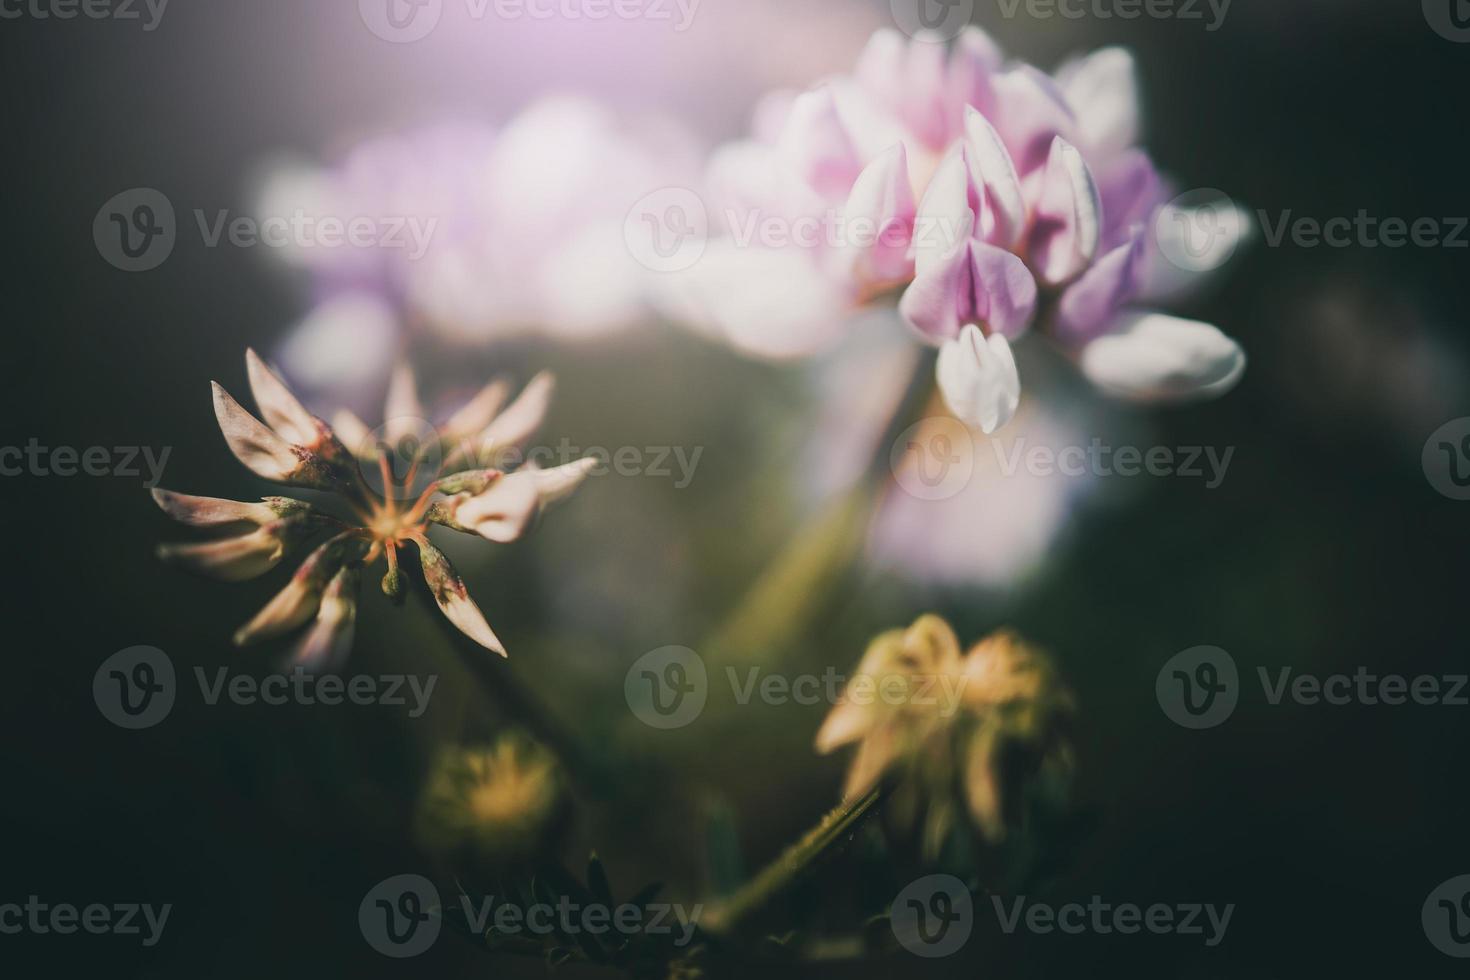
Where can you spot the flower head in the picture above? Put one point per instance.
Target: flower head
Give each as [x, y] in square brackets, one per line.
[982, 194]
[496, 803]
[449, 476]
[996, 722]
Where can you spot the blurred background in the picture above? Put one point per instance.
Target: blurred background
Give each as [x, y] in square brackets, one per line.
[1325, 548]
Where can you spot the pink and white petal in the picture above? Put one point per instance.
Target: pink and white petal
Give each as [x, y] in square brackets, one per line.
[210, 511]
[879, 217]
[946, 215]
[454, 600]
[1090, 304]
[796, 310]
[558, 482]
[229, 559]
[354, 434]
[475, 415]
[880, 67]
[975, 284]
[925, 110]
[278, 407]
[1067, 223]
[262, 451]
[403, 413]
[978, 379]
[975, 58]
[1030, 112]
[816, 146]
[330, 637]
[1148, 356]
[521, 418]
[503, 510]
[1003, 217]
[1130, 189]
[299, 600]
[1102, 90]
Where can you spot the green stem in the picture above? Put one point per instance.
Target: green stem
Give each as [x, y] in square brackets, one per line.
[830, 833]
[791, 590]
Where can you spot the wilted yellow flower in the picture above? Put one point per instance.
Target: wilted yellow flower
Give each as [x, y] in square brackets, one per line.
[294, 447]
[498, 804]
[959, 735]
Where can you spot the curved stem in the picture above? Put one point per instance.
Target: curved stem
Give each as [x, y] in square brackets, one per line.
[831, 832]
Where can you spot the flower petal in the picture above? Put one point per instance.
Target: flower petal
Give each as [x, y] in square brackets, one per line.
[279, 408]
[521, 418]
[558, 482]
[1102, 90]
[453, 599]
[403, 413]
[1155, 357]
[330, 637]
[355, 435]
[975, 58]
[1030, 111]
[262, 451]
[298, 601]
[817, 147]
[880, 215]
[502, 511]
[233, 559]
[1090, 303]
[212, 511]
[1067, 224]
[975, 283]
[1003, 216]
[978, 378]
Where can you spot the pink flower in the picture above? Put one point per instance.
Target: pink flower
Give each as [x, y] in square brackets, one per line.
[976, 192]
[475, 234]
